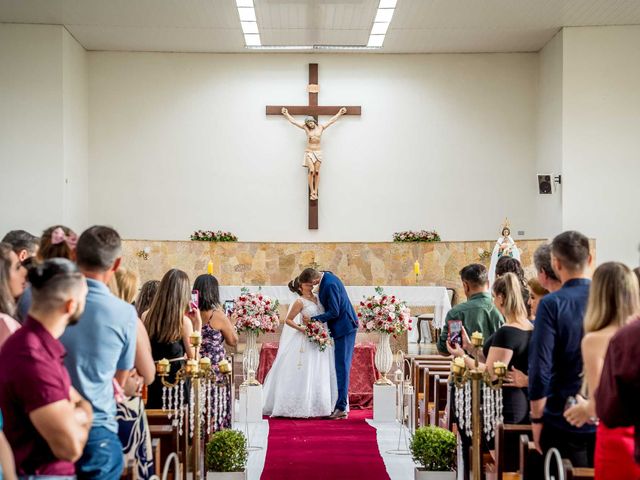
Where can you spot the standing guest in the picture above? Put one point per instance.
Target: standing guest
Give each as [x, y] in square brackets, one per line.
[12, 284]
[23, 243]
[217, 329]
[146, 296]
[546, 276]
[49, 421]
[614, 299]
[170, 322]
[56, 242]
[555, 360]
[537, 291]
[7, 464]
[100, 348]
[637, 272]
[478, 313]
[513, 265]
[617, 397]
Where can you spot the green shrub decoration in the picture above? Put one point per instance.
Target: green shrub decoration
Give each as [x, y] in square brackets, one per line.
[227, 452]
[434, 448]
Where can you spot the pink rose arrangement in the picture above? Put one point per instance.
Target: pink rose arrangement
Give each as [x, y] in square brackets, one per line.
[211, 236]
[384, 314]
[255, 312]
[316, 333]
[417, 236]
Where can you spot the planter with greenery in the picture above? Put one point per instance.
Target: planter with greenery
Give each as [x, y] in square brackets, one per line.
[434, 448]
[226, 456]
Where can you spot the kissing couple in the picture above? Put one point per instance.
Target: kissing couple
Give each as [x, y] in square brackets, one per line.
[305, 382]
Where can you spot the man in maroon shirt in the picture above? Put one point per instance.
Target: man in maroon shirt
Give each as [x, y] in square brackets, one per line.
[46, 420]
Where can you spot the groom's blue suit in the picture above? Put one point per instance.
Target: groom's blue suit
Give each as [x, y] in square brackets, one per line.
[342, 321]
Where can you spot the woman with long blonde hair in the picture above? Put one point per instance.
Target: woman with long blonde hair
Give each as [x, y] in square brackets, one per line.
[614, 298]
[170, 321]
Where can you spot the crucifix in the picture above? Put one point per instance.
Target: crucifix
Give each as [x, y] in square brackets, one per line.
[313, 153]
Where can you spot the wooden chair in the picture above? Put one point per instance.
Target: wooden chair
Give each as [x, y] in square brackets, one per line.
[507, 447]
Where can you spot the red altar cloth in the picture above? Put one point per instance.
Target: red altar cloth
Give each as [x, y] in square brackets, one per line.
[363, 372]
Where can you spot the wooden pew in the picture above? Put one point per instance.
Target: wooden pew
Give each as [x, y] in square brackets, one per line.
[423, 382]
[441, 405]
[507, 447]
[575, 473]
[167, 431]
[528, 452]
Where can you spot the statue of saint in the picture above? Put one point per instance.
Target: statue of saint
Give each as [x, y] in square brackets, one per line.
[313, 151]
[505, 246]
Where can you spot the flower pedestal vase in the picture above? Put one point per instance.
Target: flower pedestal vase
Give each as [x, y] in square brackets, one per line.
[384, 403]
[383, 359]
[250, 404]
[422, 474]
[250, 359]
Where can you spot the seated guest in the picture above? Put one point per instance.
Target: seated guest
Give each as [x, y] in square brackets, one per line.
[478, 313]
[100, 348]
[23, 243]
[546, 276]
[555, 360]
[509, 345]
[56, 242]
[617, 395]
[170, 321]
[146, 296]
[217, 329]
[49, 421]
[7, 465]
[614, 299]
[12, 284]
[513, 265]
[536, 292]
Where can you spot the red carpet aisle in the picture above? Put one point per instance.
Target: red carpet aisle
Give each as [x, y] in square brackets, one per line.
[323, 450]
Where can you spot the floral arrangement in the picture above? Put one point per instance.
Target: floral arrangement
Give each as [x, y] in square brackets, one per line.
[211, 236]
[483, 254]
[434, 448]
[420, 236]
[317, 334]
[384, 314]
[255, 312]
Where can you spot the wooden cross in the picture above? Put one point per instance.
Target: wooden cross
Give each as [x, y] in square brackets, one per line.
[314, 110]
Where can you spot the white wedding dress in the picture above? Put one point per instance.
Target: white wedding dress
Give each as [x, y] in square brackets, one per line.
[302, 381]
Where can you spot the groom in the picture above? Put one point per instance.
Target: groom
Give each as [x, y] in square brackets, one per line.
[342, 321]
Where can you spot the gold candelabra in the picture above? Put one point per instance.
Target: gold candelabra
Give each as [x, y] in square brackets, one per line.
[199, 373]
[471, 386]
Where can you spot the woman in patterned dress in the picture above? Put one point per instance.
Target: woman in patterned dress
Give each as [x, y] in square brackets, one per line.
[217, 330]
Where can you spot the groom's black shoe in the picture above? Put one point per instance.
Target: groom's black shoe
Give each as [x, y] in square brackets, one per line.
[338, 415]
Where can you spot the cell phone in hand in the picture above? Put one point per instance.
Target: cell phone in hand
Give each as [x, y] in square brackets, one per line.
[195, 300]
[229, 306]
[455, 332]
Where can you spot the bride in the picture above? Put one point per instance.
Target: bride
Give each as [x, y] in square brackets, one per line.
[302, 381]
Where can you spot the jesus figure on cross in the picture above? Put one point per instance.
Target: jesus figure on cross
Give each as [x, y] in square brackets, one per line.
[313, 151]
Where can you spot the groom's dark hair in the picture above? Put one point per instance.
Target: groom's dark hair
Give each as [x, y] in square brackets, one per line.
[308, 275]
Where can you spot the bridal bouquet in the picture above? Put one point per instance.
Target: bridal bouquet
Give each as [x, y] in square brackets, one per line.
[255, 312]
[384, 314]
[317, 334]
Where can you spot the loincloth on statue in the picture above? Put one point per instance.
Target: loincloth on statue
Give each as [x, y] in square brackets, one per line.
[311, 158]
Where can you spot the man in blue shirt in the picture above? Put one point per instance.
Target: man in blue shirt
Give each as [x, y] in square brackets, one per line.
[555, 359]
[101, 347]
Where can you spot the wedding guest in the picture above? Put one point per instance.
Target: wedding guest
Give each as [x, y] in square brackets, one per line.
[546, 276]
[637, 272]
[170, 321]
[478, 313]
[23, 243]
[613, 300]
[56, 242]
[617, 396]
[7, 464]
[12, 284]
[513, 265]
[537, 291]
[146, 296]
[50, 421]
[555, 359]
[106, 334]
[217, 329]
[509, 345]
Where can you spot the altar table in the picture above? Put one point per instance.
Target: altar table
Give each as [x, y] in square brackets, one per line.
[363, 372]
[418, 296]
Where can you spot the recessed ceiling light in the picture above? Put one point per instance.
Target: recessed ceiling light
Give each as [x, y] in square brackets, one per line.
[387, 4]
[249, 27]
[281, 47]
[247, 14]
[384, 15]
[380, 28]
[375, 40]
[244, 3]
[252, 40]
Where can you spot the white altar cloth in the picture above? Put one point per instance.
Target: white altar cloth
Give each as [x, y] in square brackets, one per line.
[417, 296]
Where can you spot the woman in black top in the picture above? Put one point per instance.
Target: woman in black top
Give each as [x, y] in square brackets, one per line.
[509, 344]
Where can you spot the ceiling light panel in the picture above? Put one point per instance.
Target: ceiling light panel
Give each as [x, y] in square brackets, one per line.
[379, 28]
[384, 14]
[248, 23]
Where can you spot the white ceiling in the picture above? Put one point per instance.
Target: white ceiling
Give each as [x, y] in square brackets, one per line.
[417, 26]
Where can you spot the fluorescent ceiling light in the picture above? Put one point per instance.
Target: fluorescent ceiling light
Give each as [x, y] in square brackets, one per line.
[249, 27]
[384, 15]
[387, 4]
[281, 47]
[247, 14]
[252, 40]
[379, 28]
[244, 3]
[375, 40]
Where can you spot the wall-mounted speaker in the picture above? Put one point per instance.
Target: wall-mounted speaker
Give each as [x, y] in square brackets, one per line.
[544, 185]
